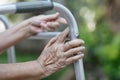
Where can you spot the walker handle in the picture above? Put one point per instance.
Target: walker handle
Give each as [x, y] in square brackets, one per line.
[37, 6]
[26, 7]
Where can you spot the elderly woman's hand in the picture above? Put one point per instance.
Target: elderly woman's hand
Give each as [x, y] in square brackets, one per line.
[58, 54]
[42, 23]
[45, 23]
[29, 28]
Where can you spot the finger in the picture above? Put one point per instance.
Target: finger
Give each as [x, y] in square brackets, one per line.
[49, 26]
[44, 26]
[35, 22]
[52, 41]
[72, 44]
[74, 51]
[74, 58]
[61, 20]
[51, 17]
[63, 35]
[53, 25]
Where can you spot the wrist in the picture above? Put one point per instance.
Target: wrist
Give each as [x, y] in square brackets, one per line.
[41, 69]
[24, 29]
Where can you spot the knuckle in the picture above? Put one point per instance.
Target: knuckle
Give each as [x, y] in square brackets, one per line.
[78, 49]
[64, 47]
[62, 64]
[83, 49]
[69, 44]
[49, 24]
[58, 55]
[72, 60]
[31, 21]
[72, 50]
[61, 34]
[57, 24]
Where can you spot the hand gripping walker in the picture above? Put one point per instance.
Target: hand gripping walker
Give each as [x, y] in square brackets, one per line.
[28, 7]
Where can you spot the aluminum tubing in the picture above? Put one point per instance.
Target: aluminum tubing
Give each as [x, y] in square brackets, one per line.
[79, 70]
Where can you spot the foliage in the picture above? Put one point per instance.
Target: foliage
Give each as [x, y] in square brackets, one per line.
[103, 46]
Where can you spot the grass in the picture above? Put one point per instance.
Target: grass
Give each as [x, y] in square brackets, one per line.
[3, 58]
[20, 57]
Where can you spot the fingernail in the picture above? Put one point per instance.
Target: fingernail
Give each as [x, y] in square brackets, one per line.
[83, 41]
[83, 47]
[65, 22]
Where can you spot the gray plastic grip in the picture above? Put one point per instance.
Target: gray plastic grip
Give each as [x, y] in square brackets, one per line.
[37, 6]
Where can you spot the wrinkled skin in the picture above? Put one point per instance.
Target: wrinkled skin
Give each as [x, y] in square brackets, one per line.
[30, 27]
[58, 54]
[44, 23]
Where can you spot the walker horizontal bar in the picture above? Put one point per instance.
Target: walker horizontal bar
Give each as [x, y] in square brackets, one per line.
[45, 35]
[26, 7]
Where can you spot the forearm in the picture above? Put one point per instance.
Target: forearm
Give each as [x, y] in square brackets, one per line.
[28, 28]
[13, 36]
[21, 71]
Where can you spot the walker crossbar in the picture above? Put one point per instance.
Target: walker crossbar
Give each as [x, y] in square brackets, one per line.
[28, 7]
[45, 35]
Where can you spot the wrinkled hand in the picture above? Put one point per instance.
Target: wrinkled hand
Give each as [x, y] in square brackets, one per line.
[41, 23]
[45, 23]
[58, 54]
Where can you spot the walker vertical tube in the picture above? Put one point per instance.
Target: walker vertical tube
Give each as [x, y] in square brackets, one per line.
[11, 50]
[79, 70]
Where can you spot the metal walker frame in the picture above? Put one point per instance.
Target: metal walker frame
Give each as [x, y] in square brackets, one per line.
[11, 50]
[25, 7]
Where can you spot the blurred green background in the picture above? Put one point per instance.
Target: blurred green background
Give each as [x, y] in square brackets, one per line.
[99, 26]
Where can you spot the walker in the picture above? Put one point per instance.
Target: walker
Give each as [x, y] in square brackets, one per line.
[42, 6]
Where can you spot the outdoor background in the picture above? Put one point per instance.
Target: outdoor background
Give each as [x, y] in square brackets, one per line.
[99, 26]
